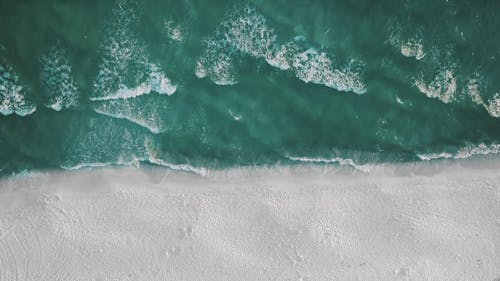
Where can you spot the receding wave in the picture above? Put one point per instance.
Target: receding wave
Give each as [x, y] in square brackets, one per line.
[100, 165]
[462, 153]
[335, 160]
[137, 162]
[178, 167]
[102, 141]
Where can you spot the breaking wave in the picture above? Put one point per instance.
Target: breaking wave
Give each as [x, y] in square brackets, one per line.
[441, 76]
[13, 98]
[475, 87]
[442, 87]
[57, 79]
[126, 70]
[175, 31]
[408, 46]
[246, 31]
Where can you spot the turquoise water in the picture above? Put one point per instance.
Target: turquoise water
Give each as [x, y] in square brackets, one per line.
[214, 84]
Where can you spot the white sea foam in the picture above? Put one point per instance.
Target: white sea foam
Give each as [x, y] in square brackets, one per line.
[464, 152]
[101, 142]
[316, 67]
[125, 93]
[96, 141]
[474, 89]
[201, 69]
[126, 70]
[136, 162]
[175, 31]
[442, 87]
[219, 66]
[413, 48]
[434, 156]
[152, 156]
[335, 160]
[57, 79]
[156, 82]
[147, 112]
[12, 94]
[408, 46]
[90, 165]
[124, 113]
[248, 32]
[236, 117]
[493, 105]
[160, 83]
[84, 165]
[177, 167]
[282, 56]
[481, 149]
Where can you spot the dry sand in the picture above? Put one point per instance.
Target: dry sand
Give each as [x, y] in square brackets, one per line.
[416, 222]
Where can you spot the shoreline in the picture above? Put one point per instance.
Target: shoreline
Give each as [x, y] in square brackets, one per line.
[424, 167]
[437, 221]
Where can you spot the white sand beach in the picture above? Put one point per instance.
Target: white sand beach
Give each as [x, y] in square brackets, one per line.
[433, 221]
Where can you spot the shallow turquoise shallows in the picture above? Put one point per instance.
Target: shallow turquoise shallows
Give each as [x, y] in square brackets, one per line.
[198, 84]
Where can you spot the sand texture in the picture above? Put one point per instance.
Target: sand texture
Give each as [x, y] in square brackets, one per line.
[305, 223]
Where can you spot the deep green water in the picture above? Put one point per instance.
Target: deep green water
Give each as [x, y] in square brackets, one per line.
[227, 83]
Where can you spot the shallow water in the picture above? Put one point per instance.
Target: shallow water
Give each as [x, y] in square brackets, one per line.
[193, 84]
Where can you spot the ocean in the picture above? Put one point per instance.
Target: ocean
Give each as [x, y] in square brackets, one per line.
[195, 85]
